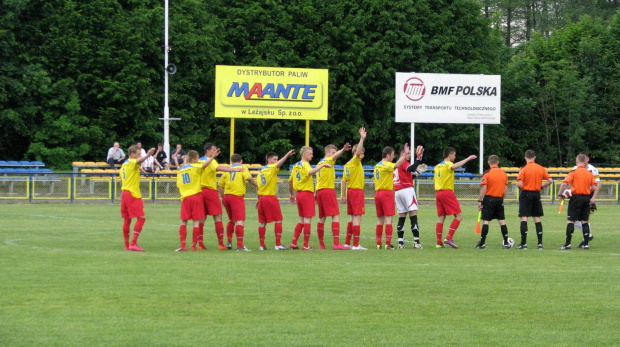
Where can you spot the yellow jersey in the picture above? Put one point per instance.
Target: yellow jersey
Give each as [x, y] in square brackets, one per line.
[234, 182]
[208, 179]
[130, 177]
[384, 175]
[444, 176]
[302, 181]
[188, 180]
[326, 177]
[354, 173]
[268, 180]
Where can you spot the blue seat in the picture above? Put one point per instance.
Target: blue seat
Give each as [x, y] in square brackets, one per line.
[427, 175]
[10, 170]
[24, 163]
[338, 167]
[45, 171]
[12, 163]
[37, 163]
[2, 162]
[368, 167]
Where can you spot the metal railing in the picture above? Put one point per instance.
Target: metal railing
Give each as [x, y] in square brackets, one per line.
[156, 187]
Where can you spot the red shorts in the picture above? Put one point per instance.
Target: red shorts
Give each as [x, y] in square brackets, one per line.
[211, 199]
[269, 209]
[355, 202]
[192, 207]
[130, 206]
[328, 204]
[384, 202]
[446, 202]
[305, 204]
[235, 207]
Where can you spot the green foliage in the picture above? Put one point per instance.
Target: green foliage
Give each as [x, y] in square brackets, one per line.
[79, 75]
[559, 94]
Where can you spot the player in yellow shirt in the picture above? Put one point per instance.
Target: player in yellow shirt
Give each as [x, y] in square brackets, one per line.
[268, 205]
[445, 199]
[131, 198]
[232, 188]
[353, 182]
[326, 196]
[210, 197]
[192, 206]
[384, 193]
[301, 181]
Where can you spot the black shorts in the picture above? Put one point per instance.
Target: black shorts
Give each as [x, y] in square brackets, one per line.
[492, 208]
[530, 204]
[579, 208]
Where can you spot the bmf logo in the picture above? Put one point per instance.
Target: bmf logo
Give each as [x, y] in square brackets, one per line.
[414, 89]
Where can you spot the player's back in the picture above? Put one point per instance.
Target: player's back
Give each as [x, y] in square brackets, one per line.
[235, 182]
[268, 180]
[188, 180]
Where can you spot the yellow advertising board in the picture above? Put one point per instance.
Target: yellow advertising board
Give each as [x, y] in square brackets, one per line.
[270, 93]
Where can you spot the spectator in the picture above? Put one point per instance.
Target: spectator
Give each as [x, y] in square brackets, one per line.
[148, 165]
[160, 157]
[176, 157]
[115, 155]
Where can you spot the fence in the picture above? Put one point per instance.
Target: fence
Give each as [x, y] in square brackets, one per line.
[97, 187]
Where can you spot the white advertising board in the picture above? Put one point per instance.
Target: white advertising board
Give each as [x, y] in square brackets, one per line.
[448, 98]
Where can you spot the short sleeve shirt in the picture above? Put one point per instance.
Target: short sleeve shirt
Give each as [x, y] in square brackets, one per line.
[384, 175]
[130, 177]
[444, 176]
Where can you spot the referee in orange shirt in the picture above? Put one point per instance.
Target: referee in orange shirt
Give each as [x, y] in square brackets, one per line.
[580, 180]
[530, 182]
[491, 203]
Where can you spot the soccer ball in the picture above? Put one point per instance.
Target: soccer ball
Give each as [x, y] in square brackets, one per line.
[511, 242]
[567, 193]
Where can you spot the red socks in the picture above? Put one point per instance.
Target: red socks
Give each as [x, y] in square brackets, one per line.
[336, 233]
[306, 235]
[439, 232]
[261, 236]
[126, 225]
[195, 233]
[453, 226]
[239, 231]
[349, 233]
[320, 231]
[230, 229]
[201, 232]
[298, 229]
[219, 231]
[355, 229]
[379, 233]
[278, 232]
[137, 229]
[388, 234]
[183, 236]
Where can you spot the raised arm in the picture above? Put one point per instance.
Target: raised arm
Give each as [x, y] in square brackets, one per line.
[346, 147]
[463, 162]
[148, 154]
[286, 156]
[360, 145]
[402, 156]
[317, 168]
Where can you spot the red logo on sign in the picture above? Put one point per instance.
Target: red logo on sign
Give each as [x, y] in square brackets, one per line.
[414, 89]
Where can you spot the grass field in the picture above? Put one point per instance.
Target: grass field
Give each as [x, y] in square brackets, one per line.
[66, 280]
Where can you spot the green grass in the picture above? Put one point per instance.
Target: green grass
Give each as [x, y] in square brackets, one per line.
[65, 280]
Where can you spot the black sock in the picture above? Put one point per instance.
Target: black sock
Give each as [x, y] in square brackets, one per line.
[539, 232]
[504, 233]
[415, 229]
[523, 232]
[485, 231]
[400, 228]
[586, 233]
[570, 227]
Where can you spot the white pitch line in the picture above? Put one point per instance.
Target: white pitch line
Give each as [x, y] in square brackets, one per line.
[48, 216]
